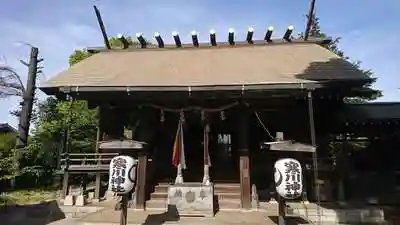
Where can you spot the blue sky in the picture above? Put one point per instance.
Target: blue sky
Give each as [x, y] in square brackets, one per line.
[368, 29]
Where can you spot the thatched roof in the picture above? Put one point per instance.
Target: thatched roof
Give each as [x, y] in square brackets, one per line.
[223, 67]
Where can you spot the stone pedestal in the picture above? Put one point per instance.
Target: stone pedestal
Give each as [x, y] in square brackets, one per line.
[191, 199]
[69, 200]
[272, 198]
[90, 195]
[273, 201]
[255, 203]
[109, 195]
[80, 200]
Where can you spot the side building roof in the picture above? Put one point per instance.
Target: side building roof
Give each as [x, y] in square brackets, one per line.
[6, 128]
[378, 111]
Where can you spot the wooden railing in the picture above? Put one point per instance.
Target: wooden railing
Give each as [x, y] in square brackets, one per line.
[86, 162]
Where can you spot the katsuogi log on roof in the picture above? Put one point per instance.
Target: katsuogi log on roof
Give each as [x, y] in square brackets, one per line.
[259, 65]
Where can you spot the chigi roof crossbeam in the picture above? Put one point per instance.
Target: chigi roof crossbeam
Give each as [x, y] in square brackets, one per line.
[213, 44]
[143, 44]
[231, 42]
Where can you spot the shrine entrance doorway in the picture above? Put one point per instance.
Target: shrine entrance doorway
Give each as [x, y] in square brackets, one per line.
[224, 160]
[194, 156]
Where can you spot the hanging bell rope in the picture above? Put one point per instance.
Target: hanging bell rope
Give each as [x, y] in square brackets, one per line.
[263, 125]
[162, 116]
[203, 115]
[182, 116]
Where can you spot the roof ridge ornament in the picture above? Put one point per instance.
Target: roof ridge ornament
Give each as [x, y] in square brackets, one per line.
[287, 38]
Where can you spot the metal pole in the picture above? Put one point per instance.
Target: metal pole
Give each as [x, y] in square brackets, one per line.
[314, 154]
[124, 209]
[281, 211]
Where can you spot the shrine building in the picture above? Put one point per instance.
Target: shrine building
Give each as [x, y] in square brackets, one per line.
[247, 93]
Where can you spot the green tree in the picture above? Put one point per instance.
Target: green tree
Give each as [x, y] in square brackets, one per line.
[51, 120]
[115, 42]
[7, 144]
[363, 94]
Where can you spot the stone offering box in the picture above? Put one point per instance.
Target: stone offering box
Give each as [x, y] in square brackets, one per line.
[191, 199]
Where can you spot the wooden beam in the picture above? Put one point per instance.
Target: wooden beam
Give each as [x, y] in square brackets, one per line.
[248, 88]
[311, 18]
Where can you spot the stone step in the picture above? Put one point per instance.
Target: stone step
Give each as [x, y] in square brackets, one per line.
[164, 195]
[270, 208]
[164, 184]
[156, 204]
[223, 196]
[233, 188]
[158, 195]
[218, 188]
[229, 205]
[161, 204]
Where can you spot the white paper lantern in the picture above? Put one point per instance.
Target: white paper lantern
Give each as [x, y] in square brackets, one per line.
[122, 174]
[288, 178]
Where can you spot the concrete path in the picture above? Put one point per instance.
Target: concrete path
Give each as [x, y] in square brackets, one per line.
[111, 217]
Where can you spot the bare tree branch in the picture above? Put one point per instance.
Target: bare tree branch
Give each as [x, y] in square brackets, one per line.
[10, 82]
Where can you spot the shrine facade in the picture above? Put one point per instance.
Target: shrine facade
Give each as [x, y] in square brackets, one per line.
[230, 98]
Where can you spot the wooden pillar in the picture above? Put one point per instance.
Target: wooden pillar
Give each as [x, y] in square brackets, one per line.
[98, 174]
[244, 160]
[141, 181]
[341, 172]
[111, 124]
[64, 150]
[326, 175]
[314, 143]
[304, 196]
[99, 138]
[144, 133]
[65, 187]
